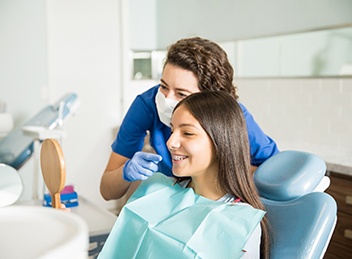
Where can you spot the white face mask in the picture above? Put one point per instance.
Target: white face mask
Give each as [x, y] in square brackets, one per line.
[164, 106]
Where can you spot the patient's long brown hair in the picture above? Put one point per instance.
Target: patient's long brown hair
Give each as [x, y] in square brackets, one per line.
[222, 119]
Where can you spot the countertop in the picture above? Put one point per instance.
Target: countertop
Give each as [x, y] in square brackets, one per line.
[99, 220]
[337, 159]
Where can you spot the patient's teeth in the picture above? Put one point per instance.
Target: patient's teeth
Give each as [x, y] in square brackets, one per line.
[178, 157]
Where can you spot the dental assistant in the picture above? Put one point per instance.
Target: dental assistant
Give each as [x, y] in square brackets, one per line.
[192, 65]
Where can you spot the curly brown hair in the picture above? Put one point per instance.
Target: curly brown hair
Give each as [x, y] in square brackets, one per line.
[207, 60]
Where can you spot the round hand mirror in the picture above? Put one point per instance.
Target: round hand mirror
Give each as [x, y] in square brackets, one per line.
[11, 186]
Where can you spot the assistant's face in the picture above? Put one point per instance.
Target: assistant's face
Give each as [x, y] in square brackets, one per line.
[176, 83]
[190, 147]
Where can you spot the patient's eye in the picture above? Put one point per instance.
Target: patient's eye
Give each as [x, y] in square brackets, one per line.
[187, 133]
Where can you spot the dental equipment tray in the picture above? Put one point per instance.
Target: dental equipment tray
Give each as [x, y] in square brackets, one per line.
[16, 148]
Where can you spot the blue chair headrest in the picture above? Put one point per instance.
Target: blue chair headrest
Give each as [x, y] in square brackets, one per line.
[289, 175]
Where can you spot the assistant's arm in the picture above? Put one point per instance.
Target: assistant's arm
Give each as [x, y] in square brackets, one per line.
[261, 146]
[126, 163]
[129, 140]
[112, 184]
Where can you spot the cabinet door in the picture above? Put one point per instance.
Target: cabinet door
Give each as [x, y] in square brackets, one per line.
[341, 242]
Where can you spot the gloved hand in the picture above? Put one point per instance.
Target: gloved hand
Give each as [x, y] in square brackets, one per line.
[141, 166]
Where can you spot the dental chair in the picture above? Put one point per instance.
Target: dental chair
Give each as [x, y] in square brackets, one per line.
[17, 148]
[302, 217]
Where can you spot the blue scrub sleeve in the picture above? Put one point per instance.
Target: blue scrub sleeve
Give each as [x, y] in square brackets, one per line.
[261, 146]
[132, 132]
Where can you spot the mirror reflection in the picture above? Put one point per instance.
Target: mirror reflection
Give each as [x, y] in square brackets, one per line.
[10, 185]
[323, 53]
[310, 54]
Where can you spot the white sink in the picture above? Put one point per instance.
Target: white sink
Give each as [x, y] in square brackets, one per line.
[41, 232]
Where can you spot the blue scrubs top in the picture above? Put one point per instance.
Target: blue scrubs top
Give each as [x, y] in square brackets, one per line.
[142, 116]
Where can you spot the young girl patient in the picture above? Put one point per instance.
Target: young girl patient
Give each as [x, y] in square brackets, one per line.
[211, 157]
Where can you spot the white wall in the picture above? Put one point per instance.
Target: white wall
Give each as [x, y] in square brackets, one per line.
[23, 62]
[143, 24]
[311, 114]
[84, 56]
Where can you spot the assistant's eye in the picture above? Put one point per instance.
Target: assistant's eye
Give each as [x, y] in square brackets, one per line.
[187, 133]
[163, 87]
[181, 95]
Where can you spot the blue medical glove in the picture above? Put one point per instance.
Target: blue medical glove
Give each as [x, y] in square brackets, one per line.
[141, 166]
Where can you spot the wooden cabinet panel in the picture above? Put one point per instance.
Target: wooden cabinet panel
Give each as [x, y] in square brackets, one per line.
[343, 229]
[341, 242]
[338, 251]
[341, 189]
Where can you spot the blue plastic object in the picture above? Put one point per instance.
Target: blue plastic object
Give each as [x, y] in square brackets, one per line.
[289, 174]
[302, 221]
[68, 199]
[301, 228]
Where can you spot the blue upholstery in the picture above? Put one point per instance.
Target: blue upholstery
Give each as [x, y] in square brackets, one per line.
[301, 221]
[289, 174]
[301, 228]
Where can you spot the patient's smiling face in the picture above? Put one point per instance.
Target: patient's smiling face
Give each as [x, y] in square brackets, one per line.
[190, 147]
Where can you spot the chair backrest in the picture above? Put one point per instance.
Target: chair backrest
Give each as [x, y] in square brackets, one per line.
[301, 219]
[301, 228]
